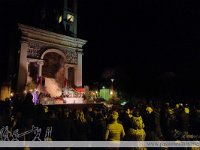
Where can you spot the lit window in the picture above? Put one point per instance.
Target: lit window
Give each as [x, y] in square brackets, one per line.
[70, 17]
[60, 19]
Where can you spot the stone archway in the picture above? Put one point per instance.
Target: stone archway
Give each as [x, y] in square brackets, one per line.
[54, 51]
[34, 46]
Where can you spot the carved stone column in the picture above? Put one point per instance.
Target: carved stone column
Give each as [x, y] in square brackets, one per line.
[78, 70]
[66, 66]
[28, 78]
[23, 70]
[40, 63]
[28, 62]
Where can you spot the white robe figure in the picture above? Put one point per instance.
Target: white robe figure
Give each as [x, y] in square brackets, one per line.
[52, 87]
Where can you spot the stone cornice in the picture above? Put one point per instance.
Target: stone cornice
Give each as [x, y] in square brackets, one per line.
[29, 32]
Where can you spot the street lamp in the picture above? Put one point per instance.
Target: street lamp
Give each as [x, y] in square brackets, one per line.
[112, 80]
[96, 93]
[112, 90]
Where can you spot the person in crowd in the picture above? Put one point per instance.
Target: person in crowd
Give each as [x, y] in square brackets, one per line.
[5, 117]
[87, 112]
[150, 126]
[27, 111]
[83, 129]
[50, 122]
[137, 132]
[182, 124]
[158, 124]
[40, 118]
[126, 119]
[64, 129]
[114, 130]
[195, 121]
[99, 127]
[168, 121]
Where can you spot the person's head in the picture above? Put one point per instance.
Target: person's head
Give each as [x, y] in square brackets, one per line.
[136, 113]
[114, 115]
[65, 113]
[149, 110]
[28, 97]
[80, 116]
[177, 106]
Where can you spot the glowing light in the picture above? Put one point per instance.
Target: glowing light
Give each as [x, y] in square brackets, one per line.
[111, 92]
[123, 103]
[70, 17]
[112, 80]
[35, 97]
[60, 19]
[103, 87]
[25, 92]
[12, 94]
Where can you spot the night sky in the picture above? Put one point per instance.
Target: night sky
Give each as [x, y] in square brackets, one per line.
[148, 47]
[151, 46]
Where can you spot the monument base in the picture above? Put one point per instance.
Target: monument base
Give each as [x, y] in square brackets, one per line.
[53, 101]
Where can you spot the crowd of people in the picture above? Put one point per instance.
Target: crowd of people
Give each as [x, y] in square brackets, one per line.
[147, 122]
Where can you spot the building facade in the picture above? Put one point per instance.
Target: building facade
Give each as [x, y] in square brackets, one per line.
[51, 56]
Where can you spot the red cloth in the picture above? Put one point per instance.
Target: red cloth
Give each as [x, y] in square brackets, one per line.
[82, 90]
[65, 82]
